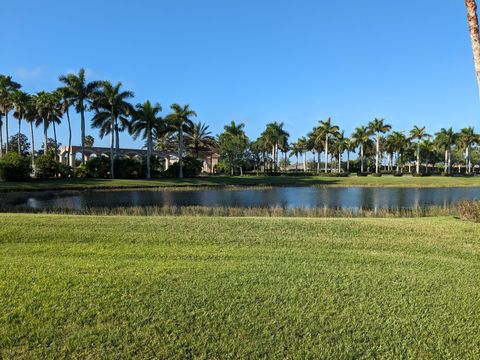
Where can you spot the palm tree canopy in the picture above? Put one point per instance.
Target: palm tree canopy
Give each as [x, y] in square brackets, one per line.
[80, 89]
[418, 132]
[180, 117]
[198, 136]
[377, 126]
[361, 136]
[445, 138]
[47, 108]
[146, 118]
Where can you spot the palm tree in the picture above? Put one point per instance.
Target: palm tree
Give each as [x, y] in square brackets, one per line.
[295, 151]
[199, 136]
[418, 133]
[360, 138]
[275, 137]
[80, 91]
[46, 108]
[31, 117]
[65, 96]
[474, 36]
[327, 130]
[445, 139]
[400, 144]
[180, 120]
[110, 103]
[316, 144]
[147, 122]
[7, 87]
[1, 134]
[341, 142]
[377, 127]
[20, 102]
[350, 147]
[467, 138]
[427, 149]
[303, 148]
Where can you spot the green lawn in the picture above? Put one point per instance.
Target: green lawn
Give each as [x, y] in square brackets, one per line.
[384, 181]
[183, 287]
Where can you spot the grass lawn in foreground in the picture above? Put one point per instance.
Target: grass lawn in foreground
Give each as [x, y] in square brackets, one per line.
[182, 287]
[353, 180]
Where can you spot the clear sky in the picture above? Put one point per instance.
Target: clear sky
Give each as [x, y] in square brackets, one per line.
[256, 61]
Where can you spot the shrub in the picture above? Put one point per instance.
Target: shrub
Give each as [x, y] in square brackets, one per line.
[15, 167]
[191, 168]
[469, 210]
[129, 168]
[377, 175]
[397, 174]
[362, 173]
[96, 167]
[46, 167]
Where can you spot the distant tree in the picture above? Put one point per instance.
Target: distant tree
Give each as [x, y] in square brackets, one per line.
[20, 102]
[360, 138]
[327, 130]
[233, 145]
[89, 140]
[418, 133]
[198, 136]
[180, 120]
[466, 139]
[377, 127]
[7, 87]
[445, 139]
[23, 144]
[80, 91]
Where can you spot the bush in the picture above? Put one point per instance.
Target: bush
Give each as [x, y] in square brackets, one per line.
[129, 168]
[362, 173]
[95, 167]
[469, 210]
[377, 175]
[191, 168]
[15, 167]
[397, 174]
[46, 167]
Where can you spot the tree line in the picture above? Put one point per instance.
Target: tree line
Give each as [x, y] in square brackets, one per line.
[112, 112]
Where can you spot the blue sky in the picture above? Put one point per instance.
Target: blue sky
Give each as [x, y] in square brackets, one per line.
[257, 61]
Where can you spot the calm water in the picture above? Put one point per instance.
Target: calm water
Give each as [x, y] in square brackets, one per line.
[288, 197]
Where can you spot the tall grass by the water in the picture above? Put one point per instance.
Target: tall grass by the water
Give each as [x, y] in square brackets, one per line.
[247, 211]
[469, 210]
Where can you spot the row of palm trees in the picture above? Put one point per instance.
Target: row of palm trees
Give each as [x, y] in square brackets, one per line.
[377, 138]
[112, 113]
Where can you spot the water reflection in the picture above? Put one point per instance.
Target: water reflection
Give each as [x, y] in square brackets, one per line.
[288, 197]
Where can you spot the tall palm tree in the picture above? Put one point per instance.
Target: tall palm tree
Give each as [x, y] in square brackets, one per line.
[400, 144]
[474, 36]
[81, 91]
[295, 151]
[327, 130]
[31, 118]
[65, 95]
[360, 138]
[445, 139]
[46, 107]
[275, 137]
[316, 144]
[180, 120]
[146, 121]
[110, 103]
[20, 102]
[341, 142]
[199, 136]
[1, 134]
[350, 147]
[7, 87]
[467, 138]
[377, 126]
[303, 148]
[418, 133]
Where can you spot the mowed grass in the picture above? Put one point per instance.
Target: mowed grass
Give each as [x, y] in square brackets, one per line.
[208, 287]
[353, 180]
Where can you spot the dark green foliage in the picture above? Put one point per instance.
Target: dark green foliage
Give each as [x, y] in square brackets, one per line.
[99, 167]
[129, 168]
[46, 167]
[191, 168]
[96, 167]
[14, 167]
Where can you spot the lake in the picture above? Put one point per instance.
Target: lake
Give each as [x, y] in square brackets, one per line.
[286, 197]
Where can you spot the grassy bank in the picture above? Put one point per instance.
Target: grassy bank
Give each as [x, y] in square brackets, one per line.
[92, 286]
[353, 180]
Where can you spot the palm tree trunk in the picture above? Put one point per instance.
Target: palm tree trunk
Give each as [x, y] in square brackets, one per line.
[149, 146]
[1, 139]
[469, 162]
[418, 158]
[69, 138]
[348, 161]
[449, 162]
[55, 139]
[296, 164]
[117, 139]
[18, 136]
[45, 137]
[180, 152]
[361, 158]
[82, 118]
[6, 131]
[326, 154]
[112, 134]
[474, 36]
[377, 155]
[33, 147]
[305, 161]
[318, 162]
[446, 162]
